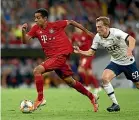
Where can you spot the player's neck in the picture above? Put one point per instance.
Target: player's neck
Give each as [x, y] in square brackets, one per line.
[107, 34]
[44, 25]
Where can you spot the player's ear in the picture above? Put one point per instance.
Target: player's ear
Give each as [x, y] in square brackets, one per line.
[45, 18]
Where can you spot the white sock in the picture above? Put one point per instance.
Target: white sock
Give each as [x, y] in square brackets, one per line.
[97, 90]
[110, 92]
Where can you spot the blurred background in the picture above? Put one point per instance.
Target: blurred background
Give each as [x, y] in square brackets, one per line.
[18, 60]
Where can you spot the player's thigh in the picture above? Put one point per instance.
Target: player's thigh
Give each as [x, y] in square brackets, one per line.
[64, 71]
[108, 75]
[132, 73]
[54, 63]
[86, 62]
[111, 71]
[83, 61]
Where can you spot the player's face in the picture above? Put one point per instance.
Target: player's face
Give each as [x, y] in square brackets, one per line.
[101, 28]
[39, 19]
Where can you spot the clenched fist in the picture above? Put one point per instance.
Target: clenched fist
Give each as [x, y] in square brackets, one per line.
[24, 27]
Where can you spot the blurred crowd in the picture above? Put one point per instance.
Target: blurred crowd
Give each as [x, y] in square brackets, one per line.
[17, 72]
[123, 14]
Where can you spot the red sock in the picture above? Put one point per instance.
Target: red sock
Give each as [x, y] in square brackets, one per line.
[39, 86]
[94, 81]
[84, 78]
[80, 88]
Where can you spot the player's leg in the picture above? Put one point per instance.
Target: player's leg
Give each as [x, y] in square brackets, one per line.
[137, 85]
[80, 88]
[87, 66]
[48, 65]
[82, 72]
[39, 85]
[109, 73]
[132, 73]
[92, 80]
[65, 73]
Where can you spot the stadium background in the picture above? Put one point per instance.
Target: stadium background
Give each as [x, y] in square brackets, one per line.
[18, 60]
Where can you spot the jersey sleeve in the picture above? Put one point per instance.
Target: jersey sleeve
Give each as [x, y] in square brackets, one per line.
[61, 23]
[32, 32]
[95, 42]
[121, 34]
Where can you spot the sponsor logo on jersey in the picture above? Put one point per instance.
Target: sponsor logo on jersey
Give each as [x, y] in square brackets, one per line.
[113, 48]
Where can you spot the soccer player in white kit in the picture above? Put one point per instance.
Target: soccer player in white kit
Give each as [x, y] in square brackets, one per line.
[122, 59]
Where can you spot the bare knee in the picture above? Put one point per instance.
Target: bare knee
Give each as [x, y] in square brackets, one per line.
[137, 85]
[81, 70]
[38, 70]
[107, 76]
[106, 79]
[70, 81]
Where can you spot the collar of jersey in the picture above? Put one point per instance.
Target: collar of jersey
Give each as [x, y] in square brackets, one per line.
[107, 35]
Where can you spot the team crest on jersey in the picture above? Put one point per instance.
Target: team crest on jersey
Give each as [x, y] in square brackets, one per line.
[51, 31]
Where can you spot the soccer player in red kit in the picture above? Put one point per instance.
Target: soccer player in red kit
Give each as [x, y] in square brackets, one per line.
[57, 49]
[84, 42]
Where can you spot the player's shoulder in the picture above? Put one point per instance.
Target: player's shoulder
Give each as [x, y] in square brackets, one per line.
[58, 21]
[115, 30]
[35, 26]
[97, 37]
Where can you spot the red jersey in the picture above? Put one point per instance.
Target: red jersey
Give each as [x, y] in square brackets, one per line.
[53, 38]
[83, 40]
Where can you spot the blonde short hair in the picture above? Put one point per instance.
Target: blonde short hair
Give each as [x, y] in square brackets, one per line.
[104, 19]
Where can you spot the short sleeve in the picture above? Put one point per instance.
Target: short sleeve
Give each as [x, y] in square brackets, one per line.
[61, 23]
[121, 34]
[95, 42]
[32, 31]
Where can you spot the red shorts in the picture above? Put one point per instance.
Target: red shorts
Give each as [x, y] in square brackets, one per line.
[86, 62]
[59, 64]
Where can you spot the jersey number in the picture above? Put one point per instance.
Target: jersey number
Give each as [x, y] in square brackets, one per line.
[135, 74]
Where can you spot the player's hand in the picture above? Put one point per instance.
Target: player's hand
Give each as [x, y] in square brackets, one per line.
[76, 49]
[129, 52]
[24, 27]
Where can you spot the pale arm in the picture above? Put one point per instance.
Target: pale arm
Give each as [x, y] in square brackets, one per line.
[90, 52]
[131, 46]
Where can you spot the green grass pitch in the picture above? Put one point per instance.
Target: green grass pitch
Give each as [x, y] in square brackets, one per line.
[67, 104]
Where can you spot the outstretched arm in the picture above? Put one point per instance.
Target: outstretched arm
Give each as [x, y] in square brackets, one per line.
[25, 38]
[74, 23]
[90, 52]
[131, 46]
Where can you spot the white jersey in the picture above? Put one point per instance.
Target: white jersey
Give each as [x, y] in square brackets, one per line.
[115, 45]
